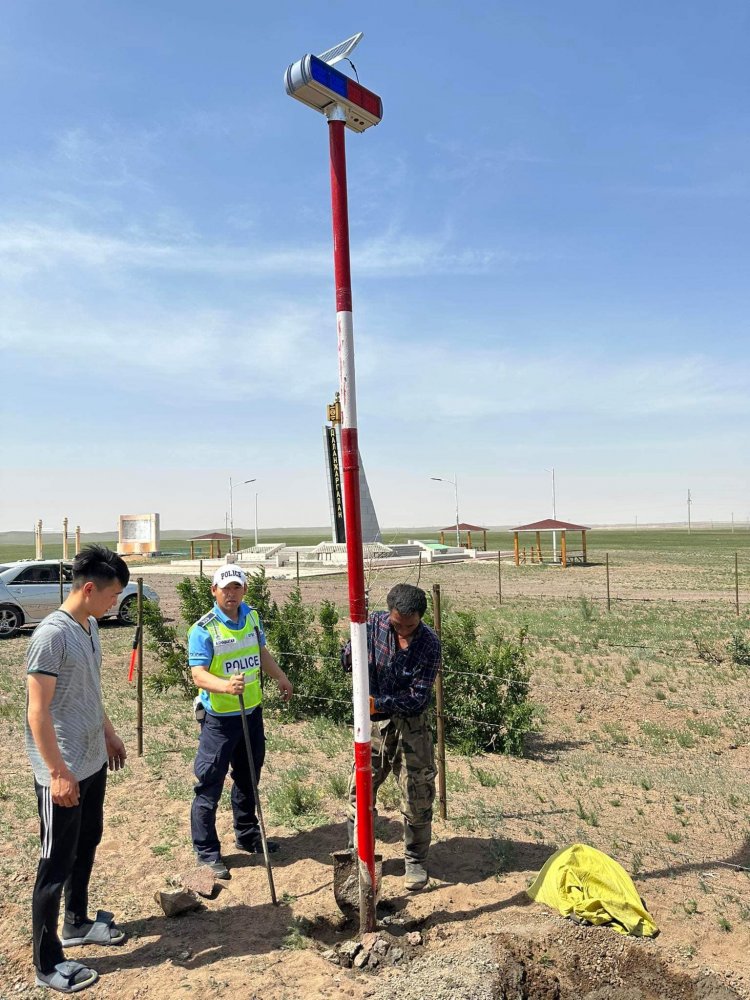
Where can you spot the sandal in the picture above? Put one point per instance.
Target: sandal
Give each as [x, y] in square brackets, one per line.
[101, 930]
[67, 977]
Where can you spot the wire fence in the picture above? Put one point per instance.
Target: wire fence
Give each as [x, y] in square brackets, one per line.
[688, 868]
[686, 649]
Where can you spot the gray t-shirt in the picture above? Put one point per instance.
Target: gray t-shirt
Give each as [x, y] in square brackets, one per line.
[62, 648]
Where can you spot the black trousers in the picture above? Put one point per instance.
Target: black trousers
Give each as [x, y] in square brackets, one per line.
[69, 837]
[222, 744]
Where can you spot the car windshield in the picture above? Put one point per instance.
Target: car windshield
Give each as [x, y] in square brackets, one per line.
[34, 572]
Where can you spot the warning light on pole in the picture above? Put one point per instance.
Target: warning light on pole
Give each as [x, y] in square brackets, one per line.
[317, 84]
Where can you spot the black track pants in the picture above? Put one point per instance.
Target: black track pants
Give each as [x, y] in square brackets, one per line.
[69, 836]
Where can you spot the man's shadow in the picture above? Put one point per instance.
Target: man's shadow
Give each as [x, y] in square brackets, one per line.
[316, 844]
[462, 859]
[202, 936]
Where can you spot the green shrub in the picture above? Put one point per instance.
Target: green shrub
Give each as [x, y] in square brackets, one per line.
[309, 656]
[486, 678]
[169, 647]
[258, 596]
[739, 650]
[168, 643]
[486, 687]
[195, 598]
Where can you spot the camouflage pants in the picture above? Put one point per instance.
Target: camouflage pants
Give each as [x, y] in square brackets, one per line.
[404, 747]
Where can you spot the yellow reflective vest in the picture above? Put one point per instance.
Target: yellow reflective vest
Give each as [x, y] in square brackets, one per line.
[235, 652]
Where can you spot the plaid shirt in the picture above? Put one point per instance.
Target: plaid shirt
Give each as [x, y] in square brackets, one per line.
[401, 679]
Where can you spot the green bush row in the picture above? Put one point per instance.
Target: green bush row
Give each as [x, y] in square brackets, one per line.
[486, 678]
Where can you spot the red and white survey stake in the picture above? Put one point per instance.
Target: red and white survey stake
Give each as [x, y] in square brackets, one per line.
[352, 512]
[134, 653]
[314, 81]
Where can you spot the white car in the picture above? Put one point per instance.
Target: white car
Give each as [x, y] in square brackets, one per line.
[29, 591]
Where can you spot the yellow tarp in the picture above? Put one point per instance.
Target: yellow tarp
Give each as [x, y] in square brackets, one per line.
[584, 883]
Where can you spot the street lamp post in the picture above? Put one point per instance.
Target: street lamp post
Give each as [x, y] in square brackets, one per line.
[554, 515]
[454, 484]
[256, 520]
[231, 510]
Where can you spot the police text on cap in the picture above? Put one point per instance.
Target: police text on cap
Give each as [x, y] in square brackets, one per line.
[227, 575]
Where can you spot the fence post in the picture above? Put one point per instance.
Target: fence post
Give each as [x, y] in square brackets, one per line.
[442, 795]
[499, 578]
[200, 568]
[62, 598]
[736, 585]
[139, 680]
[609, 606]
[297, 569]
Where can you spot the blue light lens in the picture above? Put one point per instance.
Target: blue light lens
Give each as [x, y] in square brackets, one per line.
[327, 76]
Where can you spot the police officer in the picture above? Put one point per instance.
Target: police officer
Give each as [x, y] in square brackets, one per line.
[227, 650]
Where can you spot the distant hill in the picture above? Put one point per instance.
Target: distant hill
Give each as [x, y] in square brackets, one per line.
[27, 537]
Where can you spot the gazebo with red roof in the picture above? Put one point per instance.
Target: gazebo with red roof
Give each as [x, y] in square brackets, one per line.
[468, 528]
[213, 536]
[550, 524]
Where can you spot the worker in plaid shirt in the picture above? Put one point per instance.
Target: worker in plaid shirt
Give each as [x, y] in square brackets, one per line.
[403, 658]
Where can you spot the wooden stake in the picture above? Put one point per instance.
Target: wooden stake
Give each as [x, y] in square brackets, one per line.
[736, 585]
[439, 709]
[609, 606]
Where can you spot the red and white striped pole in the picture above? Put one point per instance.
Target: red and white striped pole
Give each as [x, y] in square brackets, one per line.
[353, 521]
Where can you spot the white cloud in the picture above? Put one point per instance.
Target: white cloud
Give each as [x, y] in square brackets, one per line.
[28, 247]
[288, 349]
[113, 157]
[465, 383]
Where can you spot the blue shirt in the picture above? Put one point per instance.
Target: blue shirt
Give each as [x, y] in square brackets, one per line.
[201, 645]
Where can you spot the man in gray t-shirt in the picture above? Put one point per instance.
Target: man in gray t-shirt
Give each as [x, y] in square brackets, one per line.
[70, 652]
[70, 741]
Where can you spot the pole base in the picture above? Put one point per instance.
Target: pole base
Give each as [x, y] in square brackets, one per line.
[346, 883]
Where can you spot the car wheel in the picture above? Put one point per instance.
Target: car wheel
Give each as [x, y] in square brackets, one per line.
[128, 613]
[11, 620]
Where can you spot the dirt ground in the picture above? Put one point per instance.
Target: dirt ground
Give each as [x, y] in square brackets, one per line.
[608, 767]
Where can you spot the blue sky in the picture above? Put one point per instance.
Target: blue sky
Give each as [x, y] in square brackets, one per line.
[549, 254]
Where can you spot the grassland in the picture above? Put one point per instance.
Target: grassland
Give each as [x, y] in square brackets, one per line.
[643, 752]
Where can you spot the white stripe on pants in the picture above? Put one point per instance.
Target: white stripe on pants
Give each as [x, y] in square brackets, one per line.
[46, 840]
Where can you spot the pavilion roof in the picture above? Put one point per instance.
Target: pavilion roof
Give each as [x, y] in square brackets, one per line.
[463, 526]
[211, 536]
[550, 524]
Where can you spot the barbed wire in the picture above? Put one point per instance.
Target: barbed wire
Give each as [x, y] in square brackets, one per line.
[541, 641]
[499, 727]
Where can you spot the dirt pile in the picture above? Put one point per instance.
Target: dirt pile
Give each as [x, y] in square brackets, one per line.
[552, 961]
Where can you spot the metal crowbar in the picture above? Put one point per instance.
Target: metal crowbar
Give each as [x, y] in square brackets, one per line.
[258, 807]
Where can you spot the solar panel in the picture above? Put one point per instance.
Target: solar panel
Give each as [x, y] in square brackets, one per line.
[341, 51]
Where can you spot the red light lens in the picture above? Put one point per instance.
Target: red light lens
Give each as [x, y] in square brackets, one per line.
[364, 99]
